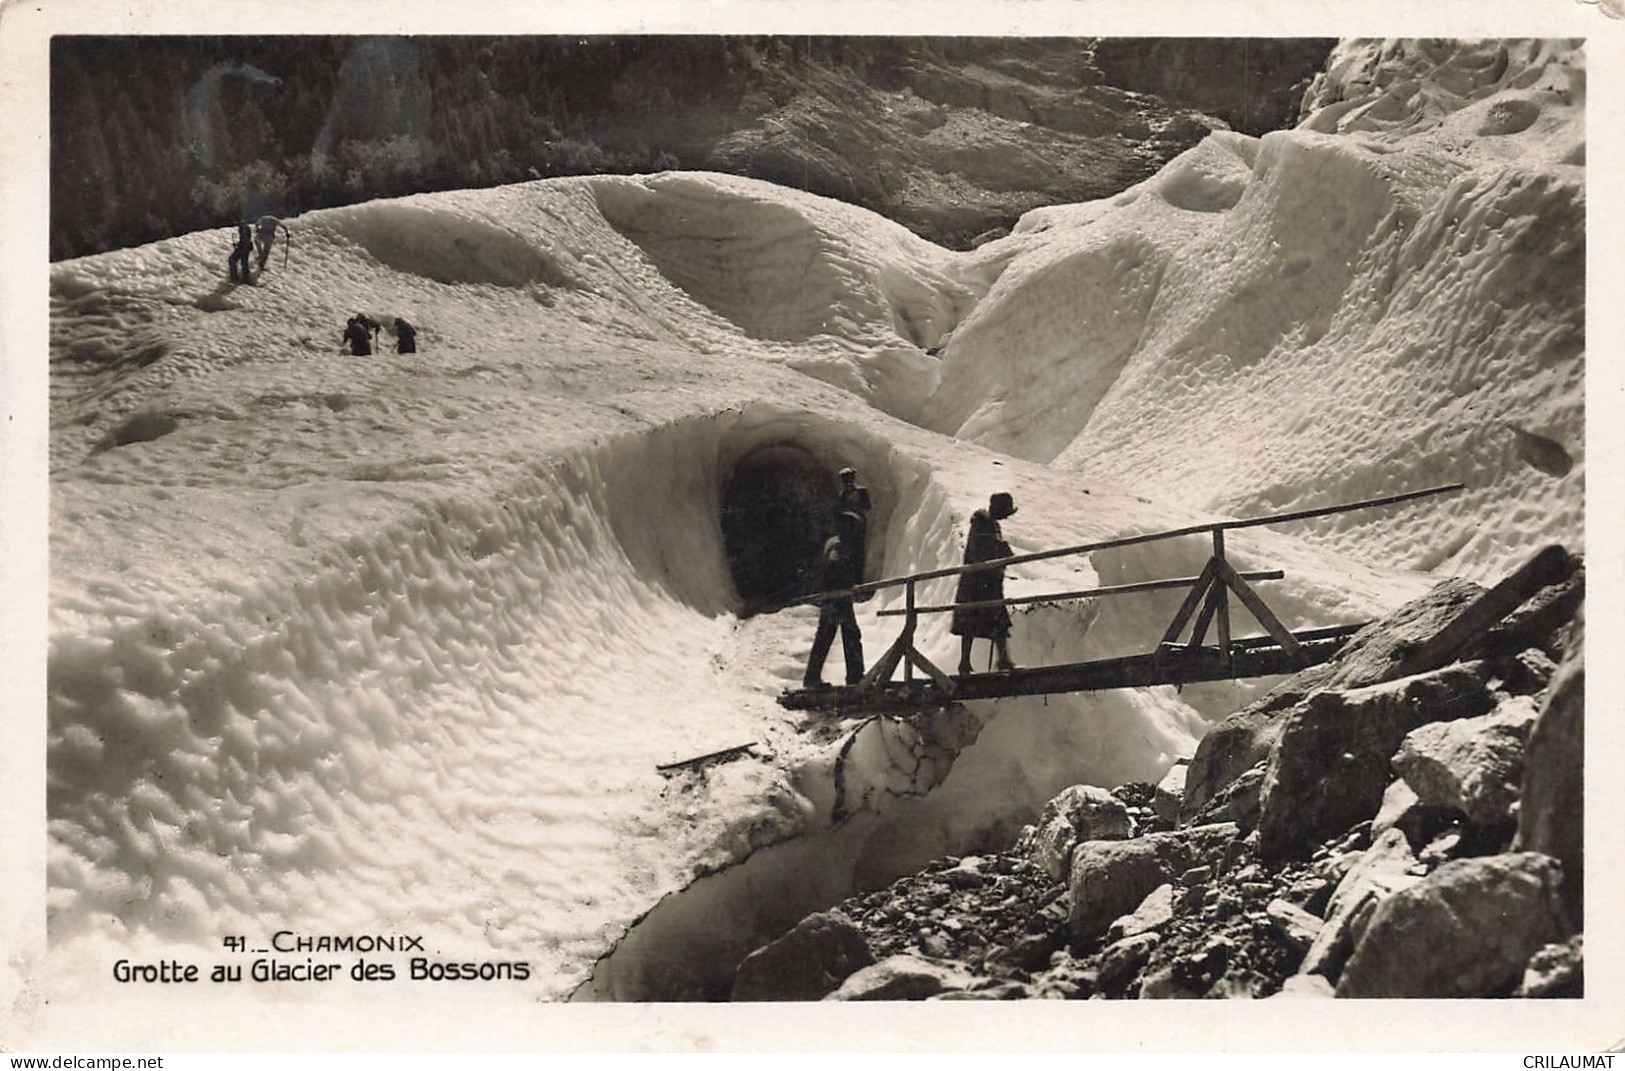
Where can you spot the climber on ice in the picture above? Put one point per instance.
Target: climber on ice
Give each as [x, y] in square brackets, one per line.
[265, 239]
[984, 543]
[237, 264]
[406, 337]
[359, 332]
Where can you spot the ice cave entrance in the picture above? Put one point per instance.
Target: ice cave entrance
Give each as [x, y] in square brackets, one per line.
[774, 515]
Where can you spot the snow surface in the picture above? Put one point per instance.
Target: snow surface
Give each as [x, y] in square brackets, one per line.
[394, 644]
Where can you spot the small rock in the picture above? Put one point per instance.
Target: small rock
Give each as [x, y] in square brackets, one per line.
[1311, 892]
[1171, 792]
[1473, 765]
[1441, 849]
[997, 991]
[806, 963]
[1373, 875]
[900, 977]
[1555, 970]
[1154, 912]
[1079, 813]
[1196, 875]
[1530, 672]
[1307, 985]
[1298, 927]
[1120, 962]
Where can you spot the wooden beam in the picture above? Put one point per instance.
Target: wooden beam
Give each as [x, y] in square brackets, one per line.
[1221, 599]
[1133, 540]
[1175, 665]
[727, 752]
[1210, 606]
[1087, 593]
[1249, 598]
[1210, 573]
[943, 682]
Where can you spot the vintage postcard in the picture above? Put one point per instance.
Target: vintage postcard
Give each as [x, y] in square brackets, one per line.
[644, 526]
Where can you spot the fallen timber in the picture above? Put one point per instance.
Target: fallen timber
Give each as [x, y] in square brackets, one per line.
[1206, 606]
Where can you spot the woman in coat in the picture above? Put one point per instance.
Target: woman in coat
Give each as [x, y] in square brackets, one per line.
[985, 543]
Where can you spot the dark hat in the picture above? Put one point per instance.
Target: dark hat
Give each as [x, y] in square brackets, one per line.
[1001, 505]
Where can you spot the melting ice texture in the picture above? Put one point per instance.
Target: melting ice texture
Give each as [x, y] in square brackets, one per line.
[395, 644]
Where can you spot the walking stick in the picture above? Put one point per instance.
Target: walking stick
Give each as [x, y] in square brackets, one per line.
[287, 240]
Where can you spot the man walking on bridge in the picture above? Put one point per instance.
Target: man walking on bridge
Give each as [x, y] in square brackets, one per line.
[842, 569]
[984, 543]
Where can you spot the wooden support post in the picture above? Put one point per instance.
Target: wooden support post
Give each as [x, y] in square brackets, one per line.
[1221, 600]
[938, 677]
[1249, 598]
[1192, 600]
[1210, 606]
[903, 651]
[908, 627]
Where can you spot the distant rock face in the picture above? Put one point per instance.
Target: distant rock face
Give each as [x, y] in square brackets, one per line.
[1466, 930]
[1254, 85]
[805, 964]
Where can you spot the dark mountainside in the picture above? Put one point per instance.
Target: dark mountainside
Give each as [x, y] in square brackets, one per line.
[954, 137]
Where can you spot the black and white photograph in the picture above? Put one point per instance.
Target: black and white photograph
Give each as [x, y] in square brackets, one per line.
[655, 507]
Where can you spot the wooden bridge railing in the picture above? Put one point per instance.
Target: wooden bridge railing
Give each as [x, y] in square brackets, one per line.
[1210, 590]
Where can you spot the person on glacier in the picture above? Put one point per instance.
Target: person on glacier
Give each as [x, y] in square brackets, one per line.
[239, 254]
[855, 499]
[358, 333]
[265, 238]
[985, 542]
[406, 337]
[842, 570]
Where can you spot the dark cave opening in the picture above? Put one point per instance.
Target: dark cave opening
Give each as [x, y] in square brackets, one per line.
[775, 516]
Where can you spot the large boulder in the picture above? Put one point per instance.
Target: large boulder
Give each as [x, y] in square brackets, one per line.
[1170, 792]
[1112, 878]
[1377, 873]
[1078, 813]
[901, 977]
[1473, 765]
[806, 963]
[1330, 767]
[1373, 655]
[1551, 815]
[1466, 930]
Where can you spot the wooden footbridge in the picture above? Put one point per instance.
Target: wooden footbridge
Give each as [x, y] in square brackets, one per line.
[1279, 650]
